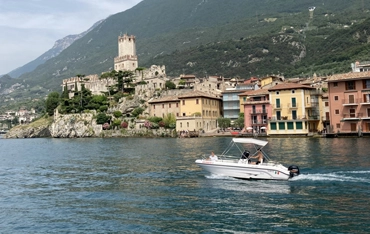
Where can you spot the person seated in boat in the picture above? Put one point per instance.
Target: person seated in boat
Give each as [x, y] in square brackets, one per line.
[245, 157]
[213, 157]
[258, 156]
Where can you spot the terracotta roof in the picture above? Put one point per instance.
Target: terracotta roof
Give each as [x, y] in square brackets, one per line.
[187, 77]
[165, 99]
[286, 86]
[255, 92]
[349, 76]
[197, 94]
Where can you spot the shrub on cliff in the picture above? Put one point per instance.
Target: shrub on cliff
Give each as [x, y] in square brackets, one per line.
[102, 118]
[117, 114]
[52, 102]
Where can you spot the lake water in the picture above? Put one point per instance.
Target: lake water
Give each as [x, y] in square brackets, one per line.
[153, 186]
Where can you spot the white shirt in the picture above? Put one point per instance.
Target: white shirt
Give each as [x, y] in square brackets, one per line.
[213, 158]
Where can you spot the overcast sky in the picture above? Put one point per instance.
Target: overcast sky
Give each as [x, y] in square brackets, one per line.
[28, 28]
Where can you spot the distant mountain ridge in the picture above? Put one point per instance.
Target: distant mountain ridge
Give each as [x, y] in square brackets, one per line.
[58, 47]
[215, 37]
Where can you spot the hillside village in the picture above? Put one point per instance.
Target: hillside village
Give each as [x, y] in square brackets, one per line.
[271, 105]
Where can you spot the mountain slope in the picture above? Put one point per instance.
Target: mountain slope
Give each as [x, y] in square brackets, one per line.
[58, 47]
[183, 27]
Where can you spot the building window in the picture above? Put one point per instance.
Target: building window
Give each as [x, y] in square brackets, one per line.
[183, 114]
[336, 98]
[277, 92]
[290, 125]
[326, 103]
[278, 115]
[180, 125]
[366, 84]
[177, 114]
[154, 107]
[335, 84]
[293, 91]
[197, 101]
[338, 125]
[169, 105]
[177, 105]
[183, 102]
[281, 125]
[162, 106]
[350, 85]
[337, 112]
[273, 126]
[298, 125]
[187, 124]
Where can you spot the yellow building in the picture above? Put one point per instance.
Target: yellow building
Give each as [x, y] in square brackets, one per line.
[296, 110]
[163, 106]
[198, 111]
[194, 110]
[270, 81]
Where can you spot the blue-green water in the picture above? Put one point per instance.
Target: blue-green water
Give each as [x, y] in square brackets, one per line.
[153, 186]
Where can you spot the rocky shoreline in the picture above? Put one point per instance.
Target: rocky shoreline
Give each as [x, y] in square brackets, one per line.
[79, 126]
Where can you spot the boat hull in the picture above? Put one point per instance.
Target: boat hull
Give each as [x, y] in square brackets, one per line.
[235, 169]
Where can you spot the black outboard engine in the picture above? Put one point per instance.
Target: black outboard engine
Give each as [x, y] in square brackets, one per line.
[293, 171]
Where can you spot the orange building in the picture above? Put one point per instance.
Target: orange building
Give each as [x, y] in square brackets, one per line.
[349, 102]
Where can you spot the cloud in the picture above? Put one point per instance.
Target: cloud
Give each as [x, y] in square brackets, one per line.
[30, 27]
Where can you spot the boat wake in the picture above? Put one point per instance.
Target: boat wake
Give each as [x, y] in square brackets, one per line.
[340, 176]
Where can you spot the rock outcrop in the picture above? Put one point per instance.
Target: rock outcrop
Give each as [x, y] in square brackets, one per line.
[78, 126]
[37, 129]
[75, 126]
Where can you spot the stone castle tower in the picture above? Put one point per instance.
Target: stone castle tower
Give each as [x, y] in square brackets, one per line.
[127, 58]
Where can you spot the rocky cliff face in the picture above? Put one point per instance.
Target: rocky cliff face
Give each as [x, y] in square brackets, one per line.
[75, 125]
[80, 125]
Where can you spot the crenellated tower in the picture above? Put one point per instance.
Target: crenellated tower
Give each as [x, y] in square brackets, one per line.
[127, 58]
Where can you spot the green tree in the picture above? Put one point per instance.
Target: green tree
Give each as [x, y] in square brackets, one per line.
[170, 85]
[107, 76]
[137, 111]
[124, 79]
[52, 102]
[141, 70]
[223, 122]
[117, 114]
[239, 123]
[102, 118]
[169, 120]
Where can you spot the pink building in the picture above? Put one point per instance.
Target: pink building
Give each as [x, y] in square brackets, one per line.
[257, 109]
[349, 103]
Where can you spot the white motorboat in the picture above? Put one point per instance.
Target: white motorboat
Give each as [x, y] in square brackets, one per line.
[234, 166]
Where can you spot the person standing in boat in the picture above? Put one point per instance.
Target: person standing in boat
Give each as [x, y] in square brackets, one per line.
[213, 157]
[259, 156]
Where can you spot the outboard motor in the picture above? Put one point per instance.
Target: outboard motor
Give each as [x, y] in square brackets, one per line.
[293, 171]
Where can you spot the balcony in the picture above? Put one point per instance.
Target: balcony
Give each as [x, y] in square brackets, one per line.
[312, 105]
[351, 116]
[252, 102]
[258, 123]
[293, 105]
[350, 102]
[279, 106]
[285, 118]
[365, 102]
[257, 112]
